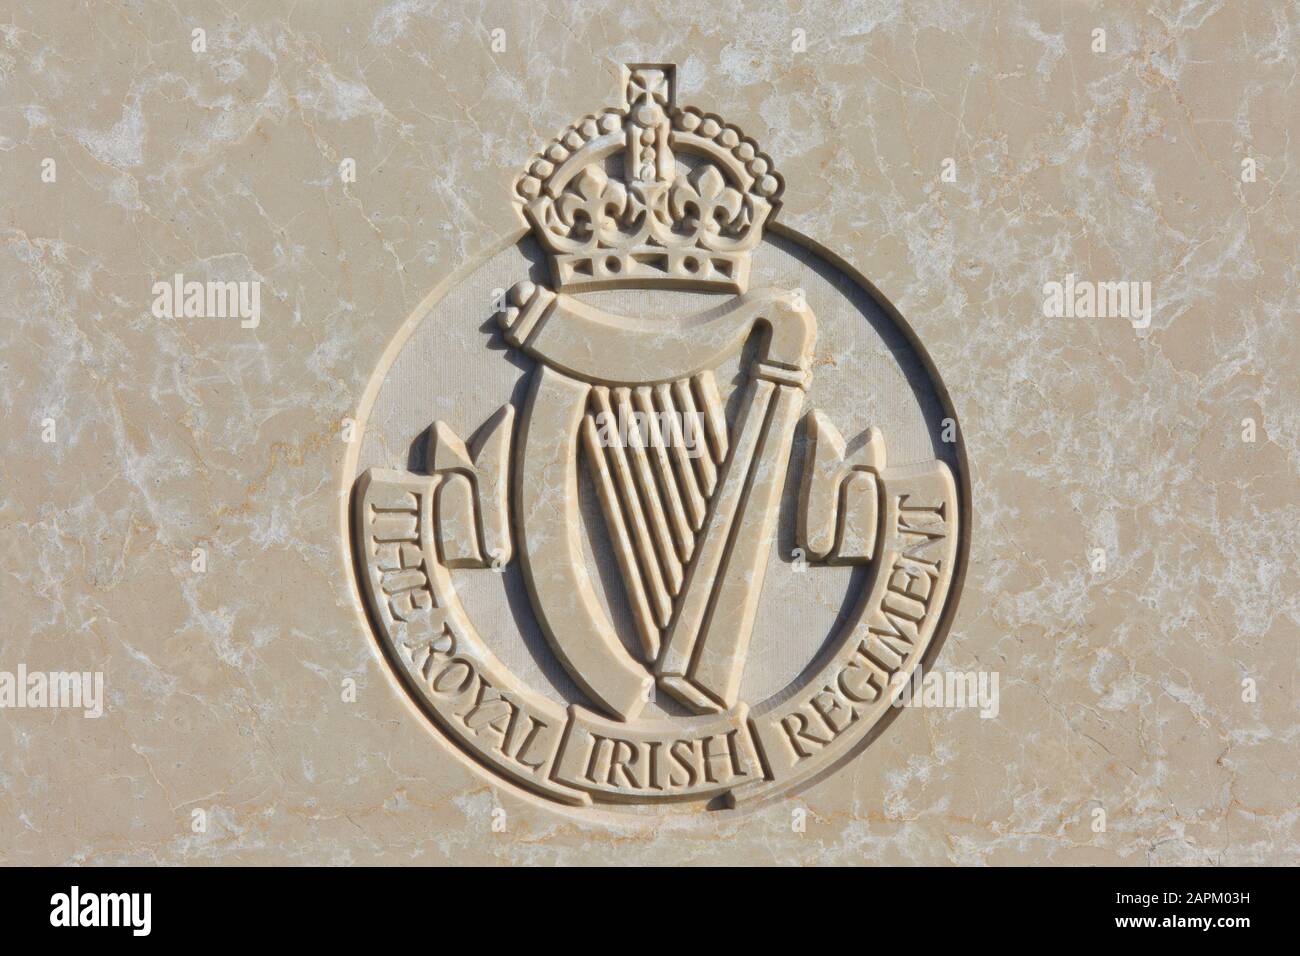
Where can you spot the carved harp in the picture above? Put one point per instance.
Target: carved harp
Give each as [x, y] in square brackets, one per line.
[692, 534]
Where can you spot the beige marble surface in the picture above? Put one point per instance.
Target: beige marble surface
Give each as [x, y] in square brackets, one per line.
[1121, 689]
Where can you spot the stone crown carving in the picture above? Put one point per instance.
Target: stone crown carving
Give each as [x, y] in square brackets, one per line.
[650, 195]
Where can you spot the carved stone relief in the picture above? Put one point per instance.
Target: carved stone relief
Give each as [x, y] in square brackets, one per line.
[661, 461]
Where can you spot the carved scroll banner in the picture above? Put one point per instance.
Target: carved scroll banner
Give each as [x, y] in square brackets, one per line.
[658, 760]
[812, 729]
[574, 754]
[424, 628]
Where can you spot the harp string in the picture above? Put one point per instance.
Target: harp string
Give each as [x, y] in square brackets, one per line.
[654, 491]
[682, 469]
[670, 566]
[634, 512]
[624, 552]
[704, 464]
[670, 492]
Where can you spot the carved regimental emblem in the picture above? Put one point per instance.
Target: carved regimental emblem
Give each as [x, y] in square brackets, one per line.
[641, 555]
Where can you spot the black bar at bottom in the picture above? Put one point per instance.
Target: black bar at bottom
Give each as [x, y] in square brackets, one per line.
[520, 907]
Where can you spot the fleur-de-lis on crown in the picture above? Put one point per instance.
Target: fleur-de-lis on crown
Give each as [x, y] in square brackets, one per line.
[591, 210]
[705, 203]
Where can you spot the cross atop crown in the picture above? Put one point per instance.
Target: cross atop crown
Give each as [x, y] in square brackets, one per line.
[649, 82]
